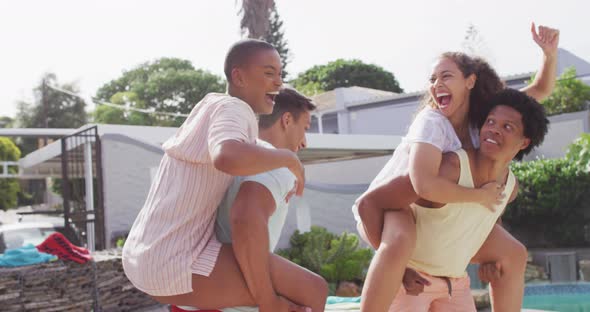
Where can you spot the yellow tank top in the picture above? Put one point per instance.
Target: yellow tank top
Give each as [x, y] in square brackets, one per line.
[448, 237]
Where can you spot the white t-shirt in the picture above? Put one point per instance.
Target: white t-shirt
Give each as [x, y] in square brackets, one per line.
[279, 182]
[430, 126]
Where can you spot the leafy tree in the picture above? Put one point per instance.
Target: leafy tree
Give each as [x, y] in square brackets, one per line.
[275, 36]
[255, 17]
[168, 85]
[6, 122]
[570, 94]
[474, 43]
[345, 73]
[9, 187]
[109, 115]
[112, 115]
[51, 108]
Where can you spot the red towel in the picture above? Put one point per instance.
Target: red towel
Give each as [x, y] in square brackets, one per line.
[174, 308]
[58, 245]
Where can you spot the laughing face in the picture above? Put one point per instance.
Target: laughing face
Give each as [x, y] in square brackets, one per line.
[449, 88]
[260, 80]
[502, 135]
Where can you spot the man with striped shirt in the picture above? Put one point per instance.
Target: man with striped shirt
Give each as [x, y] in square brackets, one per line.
[253, 212]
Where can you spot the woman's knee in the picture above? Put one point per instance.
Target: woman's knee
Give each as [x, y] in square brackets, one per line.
[515, 257]
[400, 249]
[398, 240]
[360, 228]
[315, 291]
[368, 215]
[521, 253]
[320, 286]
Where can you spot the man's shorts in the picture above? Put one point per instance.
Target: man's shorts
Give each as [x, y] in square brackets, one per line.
[443, 295]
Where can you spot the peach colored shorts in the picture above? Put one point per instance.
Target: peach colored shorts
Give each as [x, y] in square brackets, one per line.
[436, 298]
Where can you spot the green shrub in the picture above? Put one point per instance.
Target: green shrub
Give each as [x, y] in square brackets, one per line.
[553, 201]
[9, 188]
[579, 152]
[570, 94]
[336, 258]
[120, 242]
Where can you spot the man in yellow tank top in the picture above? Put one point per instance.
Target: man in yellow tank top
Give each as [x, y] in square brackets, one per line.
[448, 236]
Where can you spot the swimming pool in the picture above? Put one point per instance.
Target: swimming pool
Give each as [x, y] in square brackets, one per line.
[549, 297]
[558, 297]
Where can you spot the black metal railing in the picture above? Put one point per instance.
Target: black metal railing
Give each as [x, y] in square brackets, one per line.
[79, 152]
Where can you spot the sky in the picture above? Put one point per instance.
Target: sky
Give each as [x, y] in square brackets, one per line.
[93, 42]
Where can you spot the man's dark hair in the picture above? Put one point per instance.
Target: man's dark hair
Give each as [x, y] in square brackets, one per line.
[534, 120]
[241, 52]
[288, 100]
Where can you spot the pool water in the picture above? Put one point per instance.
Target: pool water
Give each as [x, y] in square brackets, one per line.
[549, 297]
[558, 297]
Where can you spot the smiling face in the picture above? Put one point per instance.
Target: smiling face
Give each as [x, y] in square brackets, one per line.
[295, 131]
[259, 80]
[502, 134]
[296, 134]
[449, 88]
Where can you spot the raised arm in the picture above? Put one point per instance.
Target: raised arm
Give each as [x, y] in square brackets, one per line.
[242, 159]
[548, 40]
[231, 151]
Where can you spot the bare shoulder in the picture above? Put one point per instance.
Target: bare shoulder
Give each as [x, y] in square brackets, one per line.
[514, 191]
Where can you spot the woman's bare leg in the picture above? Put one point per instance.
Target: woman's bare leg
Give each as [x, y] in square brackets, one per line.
[298, 284]
[395, 194]
[386, 271]
[225, 287]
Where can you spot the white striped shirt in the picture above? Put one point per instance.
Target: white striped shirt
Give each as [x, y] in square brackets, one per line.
[173, 235]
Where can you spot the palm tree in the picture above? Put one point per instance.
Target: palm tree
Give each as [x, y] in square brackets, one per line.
[255, 17]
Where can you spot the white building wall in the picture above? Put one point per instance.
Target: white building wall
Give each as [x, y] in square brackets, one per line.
[563, 130]
[386, 120]
[330, 209]
[395, 120]
[126, 174]
[357, 171]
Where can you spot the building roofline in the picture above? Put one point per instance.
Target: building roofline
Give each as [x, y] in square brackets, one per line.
[320, 147]
[36, 132]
